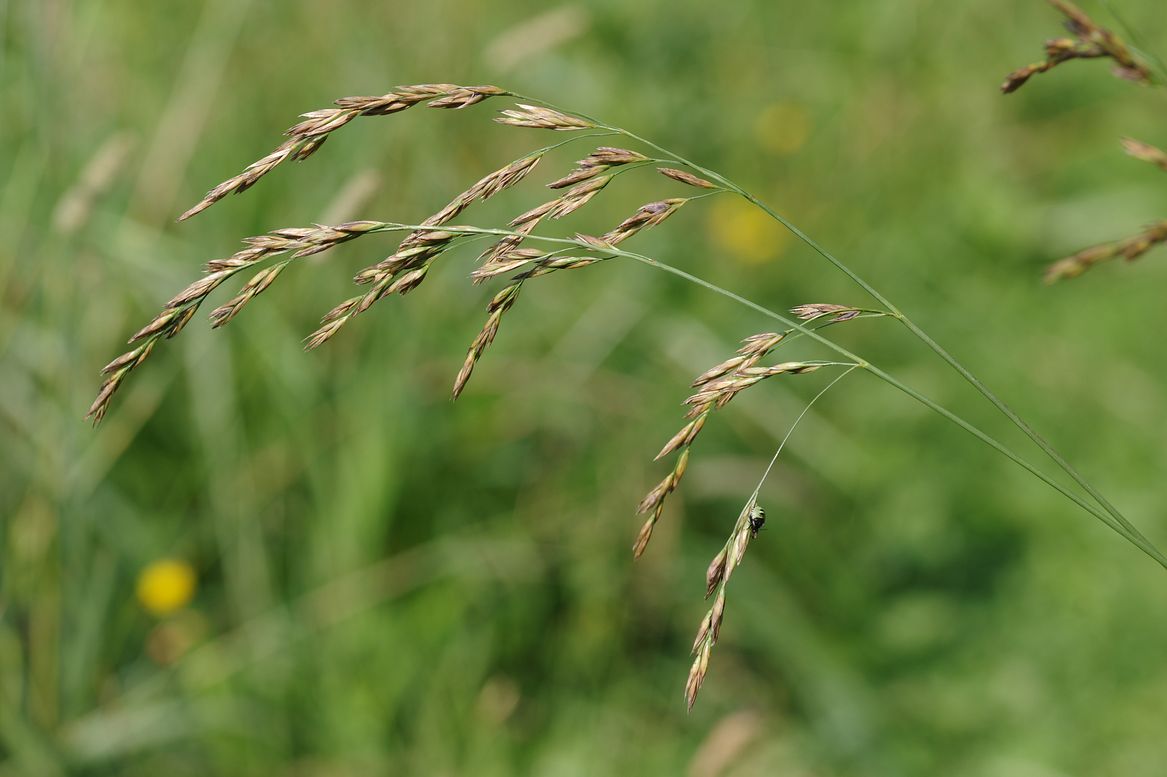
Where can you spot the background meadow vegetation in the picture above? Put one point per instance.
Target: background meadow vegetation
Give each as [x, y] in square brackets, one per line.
[388, 583]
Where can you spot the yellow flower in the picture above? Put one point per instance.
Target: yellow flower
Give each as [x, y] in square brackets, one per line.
[750, 235]
[782, 128]
[165, 586]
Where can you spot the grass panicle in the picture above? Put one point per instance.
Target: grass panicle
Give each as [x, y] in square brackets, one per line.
[540, 117]
[686, 178]
[520, 248]
[715, 388]
[717, 577]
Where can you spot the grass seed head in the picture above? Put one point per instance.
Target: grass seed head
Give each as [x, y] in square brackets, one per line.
[686, 178]
[697, 673]
[650, 215]
[595, 163]
[819, 310]
[715, 573]
[542, 118]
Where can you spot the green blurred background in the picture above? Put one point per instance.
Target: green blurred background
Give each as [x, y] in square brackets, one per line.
[388, 583]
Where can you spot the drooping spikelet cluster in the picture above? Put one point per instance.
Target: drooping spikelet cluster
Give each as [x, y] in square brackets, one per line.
[714, 389]
[746, 528]
[1090, 41]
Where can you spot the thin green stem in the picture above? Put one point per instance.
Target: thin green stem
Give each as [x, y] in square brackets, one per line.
[607, 133]
[793, 426]
[1117, 524]
[1128, 530]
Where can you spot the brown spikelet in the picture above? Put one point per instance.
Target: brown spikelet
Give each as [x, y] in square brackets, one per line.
[596, 243]
[722, 390]
[116, 372]
[501, 263]
[553, 263]
[465, 96]
[542, 118]
[324, 333]
[245, 180]
[702, 632]
[716, 616]
[199, 289]
[183, 318]
[686, 178]
[595, 163]
[657, 495]
[575, 176]
[680, 438]
[499, 257]
[156, 326]
[578, 196]
[818, 310]
[645, 533]
[100, 404]
[258, 283]
[488, 186]
[654, 501]
[649, 215]
[341, 309]
[697, 674]
[715, 573]
[534, 214]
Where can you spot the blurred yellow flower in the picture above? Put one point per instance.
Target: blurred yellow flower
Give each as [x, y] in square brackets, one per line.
[782, 128]
[166, 585]
[747, 233]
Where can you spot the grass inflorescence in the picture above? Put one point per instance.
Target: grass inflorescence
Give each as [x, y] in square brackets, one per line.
[520, 254]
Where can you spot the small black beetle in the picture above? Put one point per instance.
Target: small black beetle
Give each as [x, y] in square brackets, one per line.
[757, 520]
